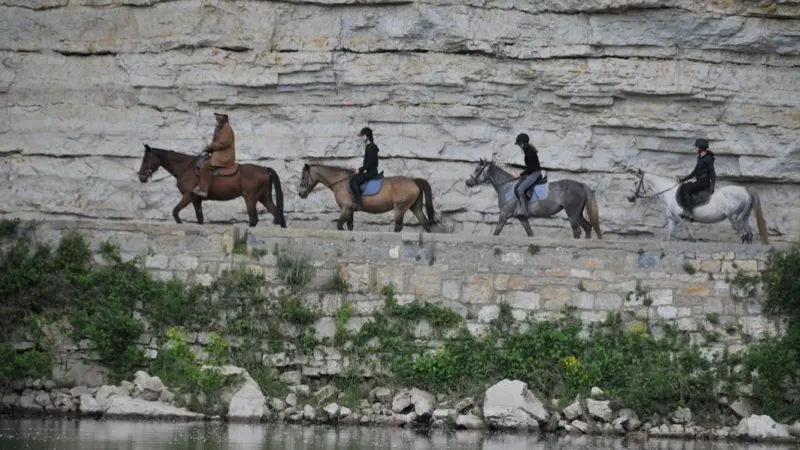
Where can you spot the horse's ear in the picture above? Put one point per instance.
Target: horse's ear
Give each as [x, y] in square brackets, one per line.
[639, 172]
[306, 166]
[146, 147]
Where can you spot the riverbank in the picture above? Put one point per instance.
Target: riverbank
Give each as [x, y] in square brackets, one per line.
[506, 406]
[276, 335]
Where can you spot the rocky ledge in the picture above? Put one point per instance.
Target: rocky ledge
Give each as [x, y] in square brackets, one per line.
[507, 405]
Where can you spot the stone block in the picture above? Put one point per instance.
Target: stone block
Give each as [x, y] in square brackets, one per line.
[325, 327]
[747, 265]
[607, 301]
[593, 285]
[556, 273]
[593, 316]
[478, 289]
[520, 315]
[583, 300]
[604, 275]
[661, 297]
[709, 265]
[580, 273]
[393, 275]
[556, 298]
[713, 306]
[524, 300]
[428, 284]
[331, 303]
[183, 262]
[156, 262]
[592, 263]
[667, 312]
[360, 277]
[369, 307]
[488, 313]
[505, 282]
[697, 290]
[451, 289]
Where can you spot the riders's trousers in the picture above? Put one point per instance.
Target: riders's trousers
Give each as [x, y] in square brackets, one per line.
[692, 188]
[356, 181]
[526, 184]
[205, 177]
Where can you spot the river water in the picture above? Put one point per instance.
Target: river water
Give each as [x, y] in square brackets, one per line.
[49, 434]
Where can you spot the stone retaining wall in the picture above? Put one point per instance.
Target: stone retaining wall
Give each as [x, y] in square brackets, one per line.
[689, 284]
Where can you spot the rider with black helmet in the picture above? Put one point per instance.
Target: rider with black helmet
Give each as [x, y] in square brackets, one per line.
[368, 169]
[532, 172]
[704, 174]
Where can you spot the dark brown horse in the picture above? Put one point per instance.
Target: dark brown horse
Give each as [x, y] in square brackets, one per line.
[250, 181]
[396, 193]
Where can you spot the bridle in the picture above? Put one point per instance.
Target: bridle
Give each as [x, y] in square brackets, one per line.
[307, 176]
[641, 189]
[475, 179]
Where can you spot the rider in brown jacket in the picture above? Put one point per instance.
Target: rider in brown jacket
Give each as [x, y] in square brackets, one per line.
[223, 153]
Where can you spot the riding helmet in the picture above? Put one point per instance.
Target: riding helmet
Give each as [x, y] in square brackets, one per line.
[366, 131]
[701, 144]
[522, 138]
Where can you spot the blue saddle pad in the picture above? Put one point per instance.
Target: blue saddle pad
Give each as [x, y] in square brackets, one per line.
[539, 192]
[371, 187]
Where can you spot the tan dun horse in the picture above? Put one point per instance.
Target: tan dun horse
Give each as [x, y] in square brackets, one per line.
[379, 196]
[253, 183]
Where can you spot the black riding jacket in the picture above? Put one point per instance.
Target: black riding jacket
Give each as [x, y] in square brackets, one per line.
[532, 163]
[704, 169]
[370, 165]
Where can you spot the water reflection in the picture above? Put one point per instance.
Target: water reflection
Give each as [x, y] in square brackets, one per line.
[42, 434]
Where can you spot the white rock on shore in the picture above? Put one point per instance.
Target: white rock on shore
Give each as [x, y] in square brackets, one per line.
[510, 405]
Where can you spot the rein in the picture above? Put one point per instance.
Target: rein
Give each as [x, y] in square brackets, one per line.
[641, 184]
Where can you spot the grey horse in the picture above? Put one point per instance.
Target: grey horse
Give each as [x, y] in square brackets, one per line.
[570, 195]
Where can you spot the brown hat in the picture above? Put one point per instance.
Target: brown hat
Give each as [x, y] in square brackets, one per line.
[221, 114]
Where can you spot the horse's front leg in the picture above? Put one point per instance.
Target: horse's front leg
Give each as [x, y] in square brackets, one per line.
[691, 233]
[501, 223]
[183, 203]
[345, 217]
[526, 225]
[670, 227]
[197, 202]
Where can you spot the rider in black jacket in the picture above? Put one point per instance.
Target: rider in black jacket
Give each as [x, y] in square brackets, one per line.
[531, 174]
[704, 174]
[368, 169]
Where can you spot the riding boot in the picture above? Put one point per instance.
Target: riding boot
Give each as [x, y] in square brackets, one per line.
[688, 214]
[359, 205]
[205, 181]
[523, 207]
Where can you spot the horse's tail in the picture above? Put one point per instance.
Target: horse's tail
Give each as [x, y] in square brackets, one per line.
[762, 224]
[592, 211]
[275, 181]
[427, 194]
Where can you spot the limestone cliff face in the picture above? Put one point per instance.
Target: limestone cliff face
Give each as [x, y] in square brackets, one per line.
[597, 84]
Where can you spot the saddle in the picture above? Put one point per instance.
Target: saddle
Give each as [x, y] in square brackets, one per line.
[536, 187]
[369, 187]
[218, 172]
[699, 198]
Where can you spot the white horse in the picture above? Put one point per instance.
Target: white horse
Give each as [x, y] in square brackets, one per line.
[730, 202]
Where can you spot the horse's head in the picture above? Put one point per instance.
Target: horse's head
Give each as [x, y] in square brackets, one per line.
[480, 174]
[150, 163]
[308, 181]
[639, 188]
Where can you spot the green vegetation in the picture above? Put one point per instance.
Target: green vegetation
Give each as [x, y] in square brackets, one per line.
[648, 366]
[178, 368]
